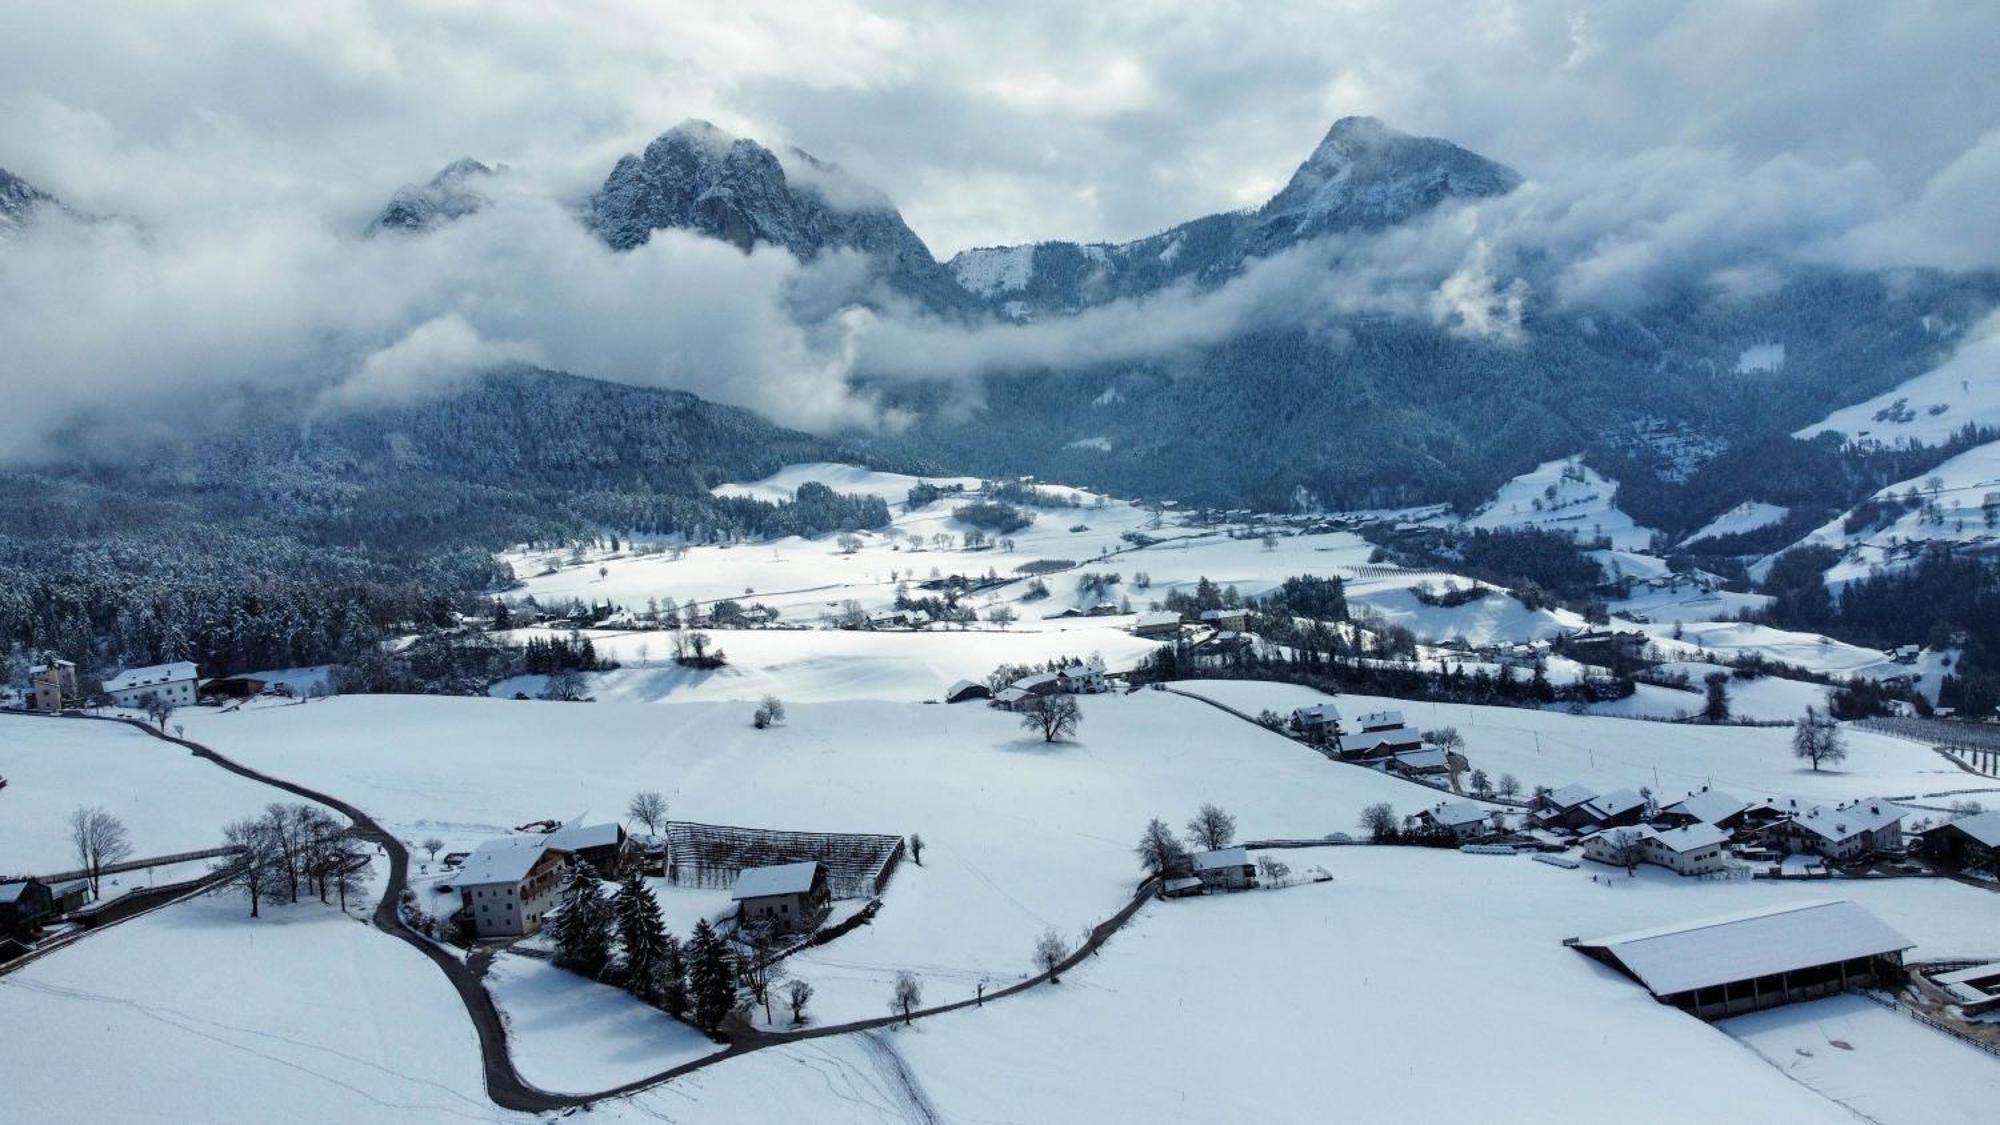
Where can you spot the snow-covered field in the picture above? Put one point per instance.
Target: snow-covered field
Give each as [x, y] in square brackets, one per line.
[1747, 516]
[1554, 748]
[571, 1035]
[169, 800]
[196, 1013]
[1933, 406]
[1951, 509]
[1881, 1064]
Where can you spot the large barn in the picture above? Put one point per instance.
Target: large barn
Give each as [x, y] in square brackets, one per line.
[1738, 963]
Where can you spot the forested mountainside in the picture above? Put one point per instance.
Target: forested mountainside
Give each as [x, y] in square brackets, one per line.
[285, 542]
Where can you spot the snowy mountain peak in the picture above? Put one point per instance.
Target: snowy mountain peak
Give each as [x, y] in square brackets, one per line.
[451, 194]
[19, 200]
[1367, 175]
[698, 177]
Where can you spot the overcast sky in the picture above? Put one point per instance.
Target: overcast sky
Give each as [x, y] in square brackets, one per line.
[250, 142]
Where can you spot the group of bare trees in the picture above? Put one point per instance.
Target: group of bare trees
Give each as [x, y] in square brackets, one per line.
[1160, 851]
[770, 711]
[292, 848]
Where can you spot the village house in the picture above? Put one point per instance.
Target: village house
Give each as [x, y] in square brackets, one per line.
[52, 686]
[1319, 722]
[1158, 624]
[966, 689]
[509, 885]
[1745, 962]
[1605, 647]
[1563, 808]
[1382, 735]
[1616, 809]
[1706, 806]
[230, 687]
[172, 684]
[1697, 849]
[1010, 698]
[1419, 763]
[1969, 842]
[1463, 819]
[789, 897]
[603, 846]
[71, 896]
[1086, 678]
[1231, 619]
[1227, 869]
[1855, 830]
[1041, 683]
[24, 905]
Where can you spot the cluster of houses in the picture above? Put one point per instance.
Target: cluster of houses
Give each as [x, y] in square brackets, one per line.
[1379, 738]
[53, 685]
[1709, 831]
[1084, 677]
[508, 886]
[1165, 624]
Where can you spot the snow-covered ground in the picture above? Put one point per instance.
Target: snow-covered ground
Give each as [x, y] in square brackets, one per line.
[1883, 1065]
[1497, 618]
[169, 800]
[1567, 496]
[571, 1035]
[197, 1012]
[1554, 748]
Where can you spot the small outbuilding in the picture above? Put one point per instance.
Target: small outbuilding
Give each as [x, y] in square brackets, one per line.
[1738, 963]
[1227, 869]
[787, 896]
[1159, 624]
[603, 846]
[24, 905]
[1969, 841]
[966, 689]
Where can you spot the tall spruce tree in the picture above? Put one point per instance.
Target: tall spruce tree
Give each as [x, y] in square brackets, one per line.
[711, 977]
[643, 935]
[671, 978]
[582, 929]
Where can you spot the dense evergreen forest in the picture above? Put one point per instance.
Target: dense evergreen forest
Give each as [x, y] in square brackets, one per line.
[287, 543]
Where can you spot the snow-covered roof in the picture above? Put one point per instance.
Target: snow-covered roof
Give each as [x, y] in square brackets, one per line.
[1686, 839]
[1614, 803]
[1842, 822]
[1983, 827]
[583, 836]
[1219, 614]
[11, 892]
[1735, 947]
[1379, 720]
[38, 669]
[1572, 795]
[1451, 813]
[1368, 740]
[1220, 858]
[1707, 806]
[1185, 882]
[780, 879]
[1421, 759]
[151, 676]
[505, 859]
[1091, 667]
[1155, 618]
[1010, 695]
[963, 686]
[1317, 713]
[1030, 683]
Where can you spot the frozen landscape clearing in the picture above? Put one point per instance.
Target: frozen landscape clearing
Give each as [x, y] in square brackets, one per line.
[1881, 1064]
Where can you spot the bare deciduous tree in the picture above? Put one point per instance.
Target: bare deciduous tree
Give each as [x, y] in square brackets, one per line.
[1273, 872]
[433, 846]
[797, 993]
[99, 840]
[1379, 821]
[649, 808]
[1050, 952]
[917, 849]
[1626, 849]
[909, 993]
[1159, 851]
[1817, 739]
[1052, 716]
[1211, 828]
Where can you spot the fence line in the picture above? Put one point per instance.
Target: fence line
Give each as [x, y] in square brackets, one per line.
[1932, 1022]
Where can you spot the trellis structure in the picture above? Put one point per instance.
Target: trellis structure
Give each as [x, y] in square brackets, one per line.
[858, 865]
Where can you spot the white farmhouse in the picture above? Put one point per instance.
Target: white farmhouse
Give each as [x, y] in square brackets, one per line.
[1695, 849]
[1870, 826]
[1084, 679]
[509, 885]
[169, 683]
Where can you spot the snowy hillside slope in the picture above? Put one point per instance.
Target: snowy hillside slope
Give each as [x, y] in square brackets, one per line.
[1962, 391]
[1956, 504]
[1747, 516]
[1566, 496]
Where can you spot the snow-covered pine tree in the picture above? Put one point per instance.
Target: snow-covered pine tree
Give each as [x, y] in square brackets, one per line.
[583, 925]
[711, 977]
[642, 934]
[670, 978]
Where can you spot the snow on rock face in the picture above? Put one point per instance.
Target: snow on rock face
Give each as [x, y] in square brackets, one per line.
[1964, 390]
[451, 194]
[992, 270]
